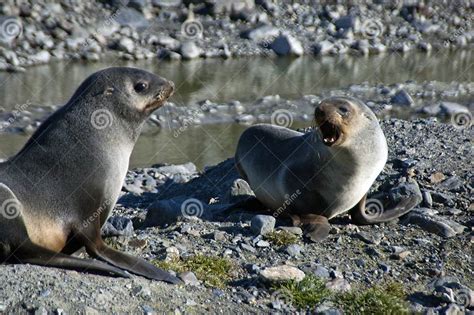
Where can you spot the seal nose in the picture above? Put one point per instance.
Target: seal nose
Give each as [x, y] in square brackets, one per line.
[172, 86]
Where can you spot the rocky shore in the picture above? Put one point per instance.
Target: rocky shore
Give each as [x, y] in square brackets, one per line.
[449, 102]
[202, 225]
[39, 32]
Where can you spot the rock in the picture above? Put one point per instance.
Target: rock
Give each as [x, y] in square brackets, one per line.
[402, 98]
[435, 224]
[321, 272]
[117, 226]
[293, 250]
[263, 243]
[450, 108]
[295, 230]
[220, 236]
[261, 33]
[338, 285]
[240, 190]
[248, 248]
[369, 238]
[347, 22]
[189, 278]
[282, 273]
[405, 190]
[164, 212]
[189, 50]
[262, 224]
[186, 169]
[323, 48]
[285, 45]
[41, 57]
[132, 18]
[126, 44]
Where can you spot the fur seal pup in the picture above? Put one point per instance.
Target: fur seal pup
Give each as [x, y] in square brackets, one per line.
[58, 191]
[316, 176]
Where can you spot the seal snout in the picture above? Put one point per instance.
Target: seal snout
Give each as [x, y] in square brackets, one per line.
[329, 118]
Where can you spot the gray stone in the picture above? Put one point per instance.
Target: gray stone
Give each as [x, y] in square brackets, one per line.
[189, 50]
[262, 224]
[405, 190]
[286, 44]
[338, 285]
[41, 57]
[189, 278]
[435, 224]
[118, 226]
[402, 98]
[126, 44]
[240, 190]
[347, 22]
[132, 18]
[324, 47]
[293, 250]
[451, 108]
[261, 33]
[282, 273]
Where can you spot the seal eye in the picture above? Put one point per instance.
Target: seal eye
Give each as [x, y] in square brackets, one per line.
[140, 86]
[343, 110]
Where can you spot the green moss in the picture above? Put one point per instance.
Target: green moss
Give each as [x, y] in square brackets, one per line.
[307, 293]
[388, 299]
[213, 271]
[281, 238]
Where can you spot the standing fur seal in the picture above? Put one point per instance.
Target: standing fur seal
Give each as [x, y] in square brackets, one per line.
[316, 176]
[58, 191]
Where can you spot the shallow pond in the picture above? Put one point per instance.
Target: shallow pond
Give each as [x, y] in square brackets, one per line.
[222, 80]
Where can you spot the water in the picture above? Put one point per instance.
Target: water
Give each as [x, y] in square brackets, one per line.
[245, 79]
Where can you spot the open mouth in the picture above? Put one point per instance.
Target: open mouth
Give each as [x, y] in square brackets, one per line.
[160, 98]
[330, 133]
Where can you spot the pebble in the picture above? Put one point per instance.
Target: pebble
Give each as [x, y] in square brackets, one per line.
[189, 278]
[338, 285]
[294, 250]
[282, 273]
[262, 224]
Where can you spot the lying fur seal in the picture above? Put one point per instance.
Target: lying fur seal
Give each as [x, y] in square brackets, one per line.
[58, 191]
[316, 176]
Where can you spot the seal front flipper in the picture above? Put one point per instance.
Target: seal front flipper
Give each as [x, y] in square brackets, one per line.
[360, 215]
[315, 227]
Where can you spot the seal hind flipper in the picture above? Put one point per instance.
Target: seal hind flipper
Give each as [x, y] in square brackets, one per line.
[30, 253]
[130, 263]
[360, 217]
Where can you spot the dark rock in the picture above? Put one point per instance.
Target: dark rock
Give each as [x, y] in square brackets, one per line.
[402, 98]
[287, 45]
[117, 226]
[434, 224]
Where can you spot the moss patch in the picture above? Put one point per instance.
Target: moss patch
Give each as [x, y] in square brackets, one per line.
[213, 271]
[281, 238]
[388, 299]
[309, 292]
[312, 291]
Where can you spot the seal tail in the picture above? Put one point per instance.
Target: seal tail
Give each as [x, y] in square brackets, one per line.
[37, 255]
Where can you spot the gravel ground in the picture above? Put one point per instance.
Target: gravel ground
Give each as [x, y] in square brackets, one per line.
[426, 158]
[38, 32]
